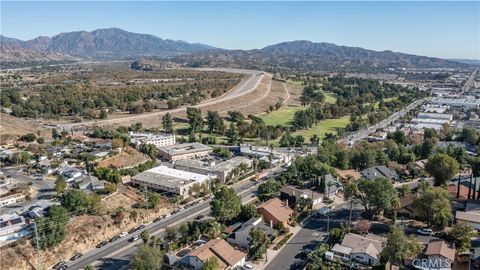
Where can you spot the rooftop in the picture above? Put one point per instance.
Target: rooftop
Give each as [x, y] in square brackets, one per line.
[165, 176]
[184, 148]
[226, 254]
[440, 248]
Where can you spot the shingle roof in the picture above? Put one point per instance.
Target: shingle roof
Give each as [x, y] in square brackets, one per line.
[226, 254]
[369, 244]
[468, 216]
[440, 248]
[277, 209]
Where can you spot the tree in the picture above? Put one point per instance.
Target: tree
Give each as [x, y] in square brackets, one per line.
[268, 189]
[376, 195]
[29, 137]
[226, 204]
[211, 263]
[147, 258]
[232, 134]
[149, 149]
[259, 242]
[52, 229]
[167, 123]
[315, 258]
[442, 167]
[103, 114]
[363, 226]
[434, 206]
[315, 140]
[117, 143]
[215, 122]
[399, 247]
[78, 201]
[236, 116]
[60, 184]
[462, 234]
[195, 119]
[248, 211]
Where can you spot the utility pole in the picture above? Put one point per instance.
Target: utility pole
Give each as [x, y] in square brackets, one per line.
[146, 199]
[38, 247]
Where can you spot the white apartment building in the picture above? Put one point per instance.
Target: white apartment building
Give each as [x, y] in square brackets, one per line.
[159, 140]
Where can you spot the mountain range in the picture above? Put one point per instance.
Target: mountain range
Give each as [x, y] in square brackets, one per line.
[114, 44]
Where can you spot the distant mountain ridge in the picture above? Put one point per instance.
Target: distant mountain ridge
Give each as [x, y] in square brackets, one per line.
[110, 43]
[115, 44]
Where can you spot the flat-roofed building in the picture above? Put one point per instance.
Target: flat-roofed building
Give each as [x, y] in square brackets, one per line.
[163, 178]
[184, 151]
[465, 103]
[159, 140]
[441, 116]
[222, 170]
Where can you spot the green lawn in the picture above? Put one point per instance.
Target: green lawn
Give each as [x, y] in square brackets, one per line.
[324, 126]
[330, 97]
[283, 116]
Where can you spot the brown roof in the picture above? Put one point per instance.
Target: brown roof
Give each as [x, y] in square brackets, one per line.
[370, 244]
[471, 216]
[452, 189]
[440, 248]
[227, 255]
[345, 173]
[277, 208]
[408, 200]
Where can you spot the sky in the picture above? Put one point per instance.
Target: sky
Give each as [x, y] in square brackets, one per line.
[440, 29]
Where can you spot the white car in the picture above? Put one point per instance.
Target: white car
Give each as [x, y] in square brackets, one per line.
[247, 267]
[425, 231]
[123, 234]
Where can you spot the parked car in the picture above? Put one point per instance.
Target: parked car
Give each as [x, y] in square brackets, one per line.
[248, 267]
[115, 238]
[425, 232]
[134, 238]
[76, 256]
[123, 234]
[102, 244]
[59, 264]
[199, 217]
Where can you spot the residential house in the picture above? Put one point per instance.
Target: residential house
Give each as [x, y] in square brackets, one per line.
[357, 248]
[12, 228]
[274, 211]
[90, 183]
[406, 205]
[332, 186]
[379, 171]
[462, 191]
[241, 236]
[440, 254]
[292, 194]
[228, 257]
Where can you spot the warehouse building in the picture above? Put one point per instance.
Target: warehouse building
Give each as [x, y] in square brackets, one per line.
[169, 180]
[184, 151]
[223, 170]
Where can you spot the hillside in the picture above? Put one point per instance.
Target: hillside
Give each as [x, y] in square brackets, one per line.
[111, 43]
[306, 55]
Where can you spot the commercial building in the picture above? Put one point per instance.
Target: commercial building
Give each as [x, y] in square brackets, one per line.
[440, 116]
[224, 170]
[457, 102]
[12, 228]
[159, 140]
[163, 178]
[184, 151]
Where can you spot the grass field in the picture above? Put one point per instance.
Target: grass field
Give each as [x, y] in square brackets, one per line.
[330, 97]
[325, 126]
[282, 117]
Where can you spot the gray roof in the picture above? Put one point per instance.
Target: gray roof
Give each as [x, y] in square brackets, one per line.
[256, 222]
[379, 171]
[184, 148]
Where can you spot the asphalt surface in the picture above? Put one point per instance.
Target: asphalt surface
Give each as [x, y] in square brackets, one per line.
[117, 255]
[290, 258]
[45, 190]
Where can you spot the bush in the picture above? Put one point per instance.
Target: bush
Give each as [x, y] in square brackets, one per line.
[283, 241]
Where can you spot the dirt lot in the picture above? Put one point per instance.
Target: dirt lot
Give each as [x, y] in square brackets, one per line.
[83, 232]
[128, 158]
[11, 127]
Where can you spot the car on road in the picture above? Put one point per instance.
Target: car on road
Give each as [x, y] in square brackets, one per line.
[134, 238]
[427, 232]
[157, 219]
[325, 210]
[102, 244]
[76, 256]
[59, 265]
[199, 217]
[115, 238]
[123, 234]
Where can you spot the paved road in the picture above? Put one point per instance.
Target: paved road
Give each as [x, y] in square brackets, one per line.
[362, 134]
[469, 83]
[314, 229]
[45, 189]
[246, 86]
[117, 255]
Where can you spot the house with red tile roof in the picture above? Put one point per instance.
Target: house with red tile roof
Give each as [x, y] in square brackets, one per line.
[227, 256]
[274, 211]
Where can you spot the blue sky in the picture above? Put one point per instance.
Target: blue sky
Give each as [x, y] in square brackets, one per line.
[442, 29]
